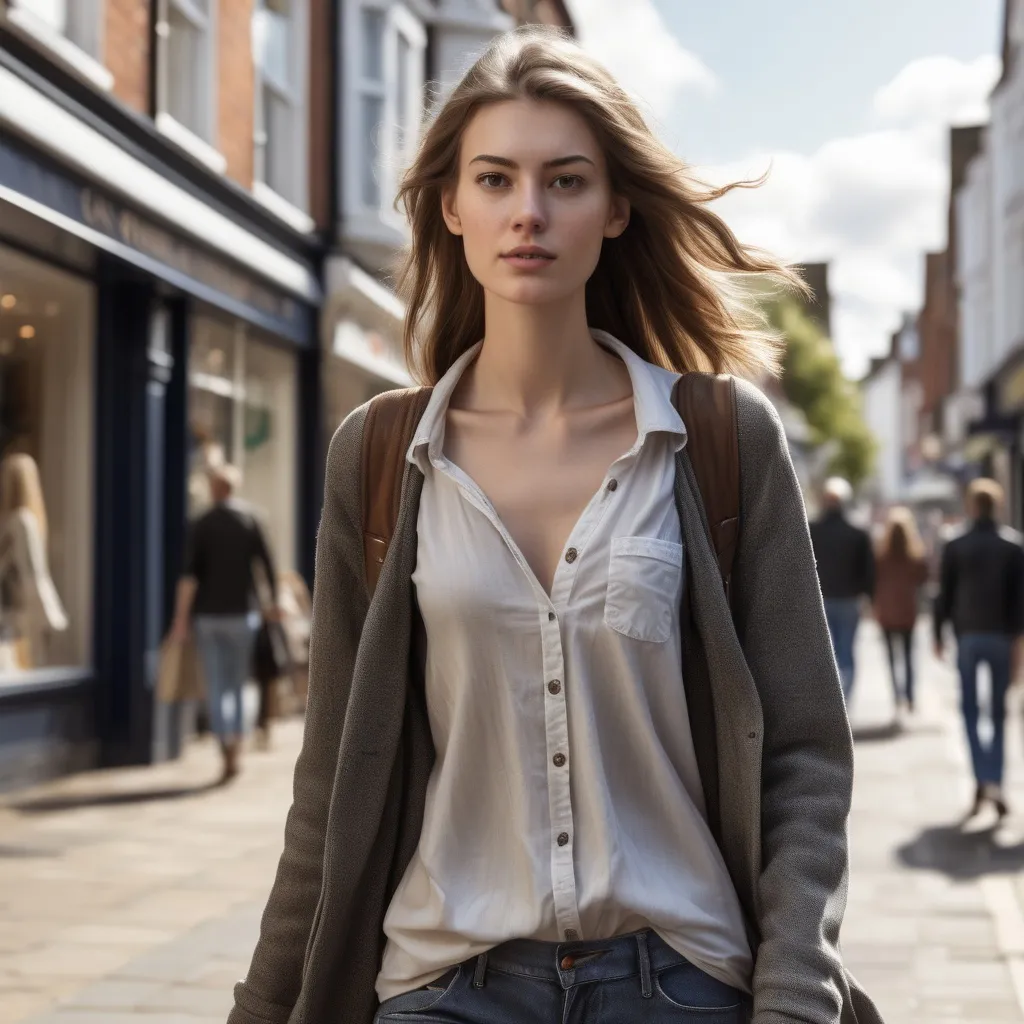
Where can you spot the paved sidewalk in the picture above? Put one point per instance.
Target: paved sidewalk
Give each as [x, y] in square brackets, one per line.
[135, 895]
[934, 928]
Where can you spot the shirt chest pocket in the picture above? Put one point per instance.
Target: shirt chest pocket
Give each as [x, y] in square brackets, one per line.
[644, 585]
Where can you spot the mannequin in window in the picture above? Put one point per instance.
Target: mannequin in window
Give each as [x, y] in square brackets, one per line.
[30, 607]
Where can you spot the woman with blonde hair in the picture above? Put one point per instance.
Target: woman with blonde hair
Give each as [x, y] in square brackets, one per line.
[900, 572]
[30, 607]
[510, 807]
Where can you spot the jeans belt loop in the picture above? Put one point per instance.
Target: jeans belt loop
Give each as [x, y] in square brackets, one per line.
[645, 965]
[481, 971]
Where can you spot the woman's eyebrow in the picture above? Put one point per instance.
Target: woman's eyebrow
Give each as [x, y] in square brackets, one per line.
[503, 161]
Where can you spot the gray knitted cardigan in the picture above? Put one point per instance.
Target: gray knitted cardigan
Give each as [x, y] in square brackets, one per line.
[768, 718]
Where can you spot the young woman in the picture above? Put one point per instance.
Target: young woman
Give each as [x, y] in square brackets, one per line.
[900, 572]
[524, 831]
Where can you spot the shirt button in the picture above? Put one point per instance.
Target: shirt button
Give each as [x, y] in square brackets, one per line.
[551, 616]
[613, 485]
[555, 686]
[571, 555]
[563, 838]
[559, 760]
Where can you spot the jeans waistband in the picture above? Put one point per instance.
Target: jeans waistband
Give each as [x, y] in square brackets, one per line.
[577, 963]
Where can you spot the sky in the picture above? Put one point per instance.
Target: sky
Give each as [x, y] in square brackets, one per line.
[848, 105]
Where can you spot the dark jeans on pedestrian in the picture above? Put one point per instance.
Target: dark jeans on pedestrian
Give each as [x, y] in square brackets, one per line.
[993, 649]
[632, 979]
[843, 615]
[906, 638]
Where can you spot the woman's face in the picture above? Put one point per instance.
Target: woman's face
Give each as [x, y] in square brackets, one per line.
[533, 202]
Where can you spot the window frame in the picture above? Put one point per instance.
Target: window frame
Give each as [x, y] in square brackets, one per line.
[381, 221]
[293, 208]
[80, 55]
[201, 143]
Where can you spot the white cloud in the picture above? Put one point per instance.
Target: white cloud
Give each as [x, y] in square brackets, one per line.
[871, 204]
[938, 91]
[646, 57]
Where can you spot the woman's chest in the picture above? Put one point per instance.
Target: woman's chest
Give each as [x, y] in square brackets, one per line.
[617, 565]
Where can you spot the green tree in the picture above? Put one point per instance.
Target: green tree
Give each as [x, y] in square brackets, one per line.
[814, 382]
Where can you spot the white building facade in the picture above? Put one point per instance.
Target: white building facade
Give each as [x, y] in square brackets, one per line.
[881, 393]
[990, 279]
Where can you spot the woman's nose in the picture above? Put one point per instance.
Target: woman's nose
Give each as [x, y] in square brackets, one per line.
[530, 216]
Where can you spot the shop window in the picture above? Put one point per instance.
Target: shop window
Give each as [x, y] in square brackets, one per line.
[280, 47]
[46, 469]
[242, 410]
[185, 83]
[389, 97]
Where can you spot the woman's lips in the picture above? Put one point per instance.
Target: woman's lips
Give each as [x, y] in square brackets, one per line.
[528, 261]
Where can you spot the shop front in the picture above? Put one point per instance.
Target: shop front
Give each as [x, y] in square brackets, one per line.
[145, 333]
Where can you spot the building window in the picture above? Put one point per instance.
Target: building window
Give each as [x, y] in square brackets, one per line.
[46, 468]
[279, 45]
[390, 98]
[79, 21]
[72, 30]
[185, 33]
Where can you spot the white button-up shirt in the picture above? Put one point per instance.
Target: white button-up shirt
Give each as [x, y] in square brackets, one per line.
[565, 801]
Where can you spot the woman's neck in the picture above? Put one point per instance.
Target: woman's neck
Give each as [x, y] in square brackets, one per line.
[540, 361]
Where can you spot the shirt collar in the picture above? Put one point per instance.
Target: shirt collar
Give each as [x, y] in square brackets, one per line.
[652, 401]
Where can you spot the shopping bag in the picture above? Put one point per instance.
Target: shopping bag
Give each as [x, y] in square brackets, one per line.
[180, 676]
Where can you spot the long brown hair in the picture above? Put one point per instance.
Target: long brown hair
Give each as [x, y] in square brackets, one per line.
[901, 539]
[671, 286]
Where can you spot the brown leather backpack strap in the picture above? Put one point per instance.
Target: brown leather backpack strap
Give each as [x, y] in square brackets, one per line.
[707, 404]
[390, 422]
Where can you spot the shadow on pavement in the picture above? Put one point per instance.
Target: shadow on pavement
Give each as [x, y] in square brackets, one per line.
[961, 854]
[71, 802]
[888, 731]
[877, 733]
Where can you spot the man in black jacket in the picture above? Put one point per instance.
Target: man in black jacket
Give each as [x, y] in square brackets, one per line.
[846, 572]
[217, 595]
[982, 595]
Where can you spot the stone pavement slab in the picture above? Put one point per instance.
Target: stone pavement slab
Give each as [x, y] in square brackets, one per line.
[136, 895]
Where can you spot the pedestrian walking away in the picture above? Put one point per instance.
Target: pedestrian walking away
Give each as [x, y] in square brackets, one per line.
[900, 572]
[217, 596]
[981, 594]
[568, 759]
[846, 571]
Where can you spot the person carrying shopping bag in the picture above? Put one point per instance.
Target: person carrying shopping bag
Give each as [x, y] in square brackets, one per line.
[217, 598]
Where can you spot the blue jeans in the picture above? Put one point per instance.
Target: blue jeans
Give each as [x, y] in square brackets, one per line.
[632, 979]
[843, 615]
[225, 644]
[993, 649]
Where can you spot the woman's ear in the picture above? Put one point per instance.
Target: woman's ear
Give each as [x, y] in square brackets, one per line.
[618, 217]
[450, 210]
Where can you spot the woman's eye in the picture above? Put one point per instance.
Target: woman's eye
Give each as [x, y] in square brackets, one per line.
[566, 182]
[492, 179]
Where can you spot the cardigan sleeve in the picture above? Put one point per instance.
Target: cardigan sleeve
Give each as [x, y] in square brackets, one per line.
[807, 751]
[269, 992]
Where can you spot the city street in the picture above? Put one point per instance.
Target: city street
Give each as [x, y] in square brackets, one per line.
[135, 895]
